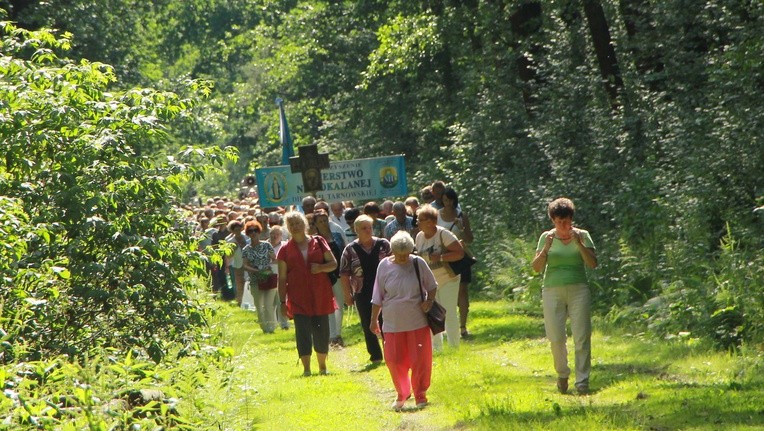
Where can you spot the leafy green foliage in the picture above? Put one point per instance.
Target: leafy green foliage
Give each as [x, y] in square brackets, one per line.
[108, 392]
[96, 253]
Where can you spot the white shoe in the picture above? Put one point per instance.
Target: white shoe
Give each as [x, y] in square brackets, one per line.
[398, 405]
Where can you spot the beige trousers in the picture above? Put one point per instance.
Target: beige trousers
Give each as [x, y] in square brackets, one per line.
[572, 301]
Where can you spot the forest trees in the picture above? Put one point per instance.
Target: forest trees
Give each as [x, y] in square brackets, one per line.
[660, 142]
[647, 114]
[94, 252]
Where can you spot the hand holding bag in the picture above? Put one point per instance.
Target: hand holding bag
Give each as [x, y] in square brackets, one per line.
[436, 317]
[270, 281]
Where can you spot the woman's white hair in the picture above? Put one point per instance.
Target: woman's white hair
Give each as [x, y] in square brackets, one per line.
[361, 219]
[402, 242]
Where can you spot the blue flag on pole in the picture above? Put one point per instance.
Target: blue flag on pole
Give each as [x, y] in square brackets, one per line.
[287, 145]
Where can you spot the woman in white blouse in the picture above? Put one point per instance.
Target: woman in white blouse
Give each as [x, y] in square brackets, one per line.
[438, 246]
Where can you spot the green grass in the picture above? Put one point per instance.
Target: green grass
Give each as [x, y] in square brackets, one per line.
[502, 380]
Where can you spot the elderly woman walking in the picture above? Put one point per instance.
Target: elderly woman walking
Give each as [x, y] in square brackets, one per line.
[305, 290]
[402, 281]
[358, 270]
[563, 254]
[438, 246]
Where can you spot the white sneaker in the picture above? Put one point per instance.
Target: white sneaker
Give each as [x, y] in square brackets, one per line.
[398, 405]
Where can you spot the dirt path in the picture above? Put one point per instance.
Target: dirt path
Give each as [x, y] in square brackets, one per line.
[380, 387]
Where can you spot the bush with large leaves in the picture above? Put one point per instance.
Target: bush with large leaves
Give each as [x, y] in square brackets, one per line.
[94, 253]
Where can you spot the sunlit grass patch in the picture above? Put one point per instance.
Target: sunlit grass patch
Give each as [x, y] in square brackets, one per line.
[502, 379]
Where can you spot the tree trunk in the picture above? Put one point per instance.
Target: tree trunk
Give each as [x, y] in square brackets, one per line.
[526, 21]
[16, 7]
[603, 47]
[644, 53]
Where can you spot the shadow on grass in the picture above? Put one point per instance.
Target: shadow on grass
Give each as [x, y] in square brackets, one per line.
[607, 375]
[502, 309]
[514, 330]
[665, 403]
[371, 366]
[706, 407]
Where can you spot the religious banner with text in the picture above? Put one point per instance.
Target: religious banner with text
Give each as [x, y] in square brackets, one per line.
[346, 180]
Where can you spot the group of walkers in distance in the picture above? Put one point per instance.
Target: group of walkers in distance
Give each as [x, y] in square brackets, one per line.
[390, 262]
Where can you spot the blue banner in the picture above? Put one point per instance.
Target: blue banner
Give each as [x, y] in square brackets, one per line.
[361, 179]
[287, 145]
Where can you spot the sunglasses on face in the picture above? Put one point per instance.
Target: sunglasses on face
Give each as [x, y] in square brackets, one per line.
[251, 231]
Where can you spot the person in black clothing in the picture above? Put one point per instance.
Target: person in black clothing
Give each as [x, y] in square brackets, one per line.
[219, 276]
[358, 270]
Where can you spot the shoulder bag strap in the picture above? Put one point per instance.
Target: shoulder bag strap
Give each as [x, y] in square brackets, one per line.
[325, 248]
[418, 279]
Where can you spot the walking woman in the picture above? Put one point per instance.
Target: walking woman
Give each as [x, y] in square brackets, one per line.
[563, 254]
[438, 246]
[358, 270]
[453, 219]
[401, 283]
[305, 291]
[235, 261]
[258, 256]
[275, 238]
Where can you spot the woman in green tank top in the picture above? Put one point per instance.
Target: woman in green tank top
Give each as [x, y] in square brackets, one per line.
[563, 254]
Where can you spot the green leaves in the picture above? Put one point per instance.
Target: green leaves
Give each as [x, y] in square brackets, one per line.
[405, 42]
[94, 254]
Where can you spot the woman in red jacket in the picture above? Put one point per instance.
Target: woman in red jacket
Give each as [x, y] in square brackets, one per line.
[305, 290]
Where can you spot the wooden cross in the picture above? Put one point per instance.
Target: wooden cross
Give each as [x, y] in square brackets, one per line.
[309, 163]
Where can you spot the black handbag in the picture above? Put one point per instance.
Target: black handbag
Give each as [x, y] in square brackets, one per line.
[466, 262]
[436, 317]
[462, 264]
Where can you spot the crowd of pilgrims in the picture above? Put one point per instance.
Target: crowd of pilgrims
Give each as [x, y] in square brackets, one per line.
[307, 265]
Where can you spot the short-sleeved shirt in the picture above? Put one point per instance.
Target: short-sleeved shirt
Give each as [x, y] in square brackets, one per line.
[341, 222]
[394, 226]
[564, 264]
[206, 238]
[437, 244]
[258, 256]
[453, 226]
[378, 227]
[338, 234]
[350, 235]
[307, 293]
[236, 259]
[350, 263]
[397, 291]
